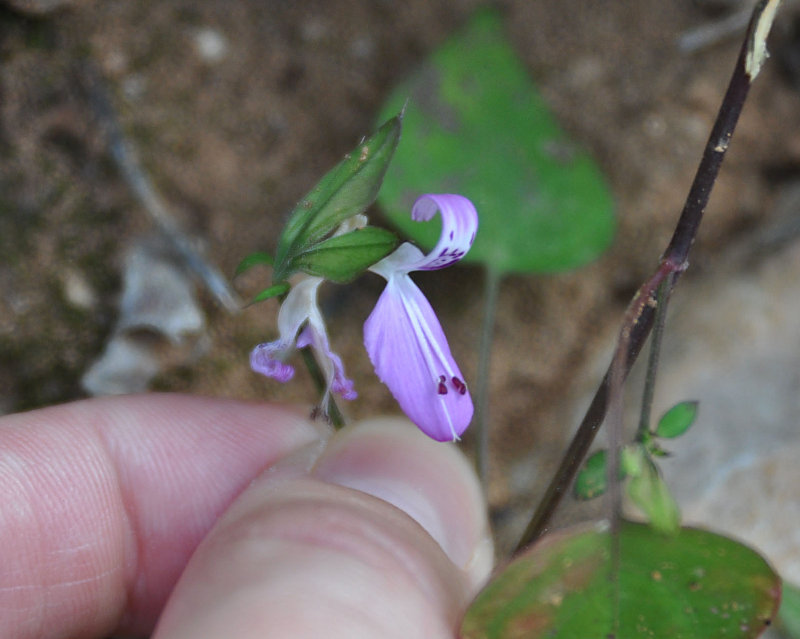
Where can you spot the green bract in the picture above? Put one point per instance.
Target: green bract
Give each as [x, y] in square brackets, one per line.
[343, 257]
[347, 190]
[254, 259]
[476, 125]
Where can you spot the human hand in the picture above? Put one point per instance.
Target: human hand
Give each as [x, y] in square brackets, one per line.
[104, 504]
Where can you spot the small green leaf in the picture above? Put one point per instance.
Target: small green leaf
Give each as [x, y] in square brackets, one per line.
[254, 259]
[677, 420]
[694, 585]
[789, 613]
[591, 481]
[346, 190]
[273, 291]
[475, 124]
[343, 257]
[650, 493]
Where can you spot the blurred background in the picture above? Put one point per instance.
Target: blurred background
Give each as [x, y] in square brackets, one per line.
[238, 107]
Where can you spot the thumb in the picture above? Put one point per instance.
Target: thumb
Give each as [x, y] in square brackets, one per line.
[384, 536]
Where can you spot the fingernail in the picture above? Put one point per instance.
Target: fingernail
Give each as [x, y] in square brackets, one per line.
[432, 482]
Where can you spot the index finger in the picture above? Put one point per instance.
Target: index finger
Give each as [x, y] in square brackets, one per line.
[105, 500]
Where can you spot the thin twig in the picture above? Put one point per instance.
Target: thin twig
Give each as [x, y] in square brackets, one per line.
[639, 317]
[127, 161]
[661, 303]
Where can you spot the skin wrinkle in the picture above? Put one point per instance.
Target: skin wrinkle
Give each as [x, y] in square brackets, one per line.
[168, 466]
[97, 518]
[32, 572]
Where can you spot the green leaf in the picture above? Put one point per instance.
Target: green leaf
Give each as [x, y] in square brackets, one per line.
[694, 585]
[254, 259]
[347, 190]
[476, 125]
[789, 613]
[677, 420]
[591, 481]
[343, 257]
[273, 291]
[650, 493]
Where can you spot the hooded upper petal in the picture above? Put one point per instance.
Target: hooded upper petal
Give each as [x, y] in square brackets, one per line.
[409, 351]
[459, 225]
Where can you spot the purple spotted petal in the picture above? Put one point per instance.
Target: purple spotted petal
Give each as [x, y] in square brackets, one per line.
[459, 225]
[409, 351]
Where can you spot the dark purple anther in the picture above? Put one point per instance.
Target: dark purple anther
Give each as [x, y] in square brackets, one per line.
[461, 387]
[442, 389]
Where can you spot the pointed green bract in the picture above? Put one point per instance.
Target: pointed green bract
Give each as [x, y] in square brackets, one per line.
[343, 257]
[476, 125]
[693, 585]
[677, 420]
[276, 290]
[254, 259]
[347, 190]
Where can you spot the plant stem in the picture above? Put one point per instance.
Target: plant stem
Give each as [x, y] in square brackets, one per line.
[333, 413]
[492, 284]
[661, 301]
[639, 317]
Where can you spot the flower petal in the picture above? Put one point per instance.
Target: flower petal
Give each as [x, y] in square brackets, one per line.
[459, 225]
[409, 351]
[299, 305]
[266, 359]
[330, 363]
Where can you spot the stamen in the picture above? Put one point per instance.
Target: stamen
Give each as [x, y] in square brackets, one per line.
[461, 387]
[441, 389]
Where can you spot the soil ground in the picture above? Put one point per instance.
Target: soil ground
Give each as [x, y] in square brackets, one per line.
[234, 141]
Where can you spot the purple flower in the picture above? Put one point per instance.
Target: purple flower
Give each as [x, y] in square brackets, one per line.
[299, 308]
[403, 337]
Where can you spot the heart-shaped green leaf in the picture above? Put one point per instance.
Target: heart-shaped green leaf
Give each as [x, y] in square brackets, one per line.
[343, 257]
[476, 125]
[694, 585]
[347, 190]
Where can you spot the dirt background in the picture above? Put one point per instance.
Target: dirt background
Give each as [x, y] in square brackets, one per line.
[234, 141]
